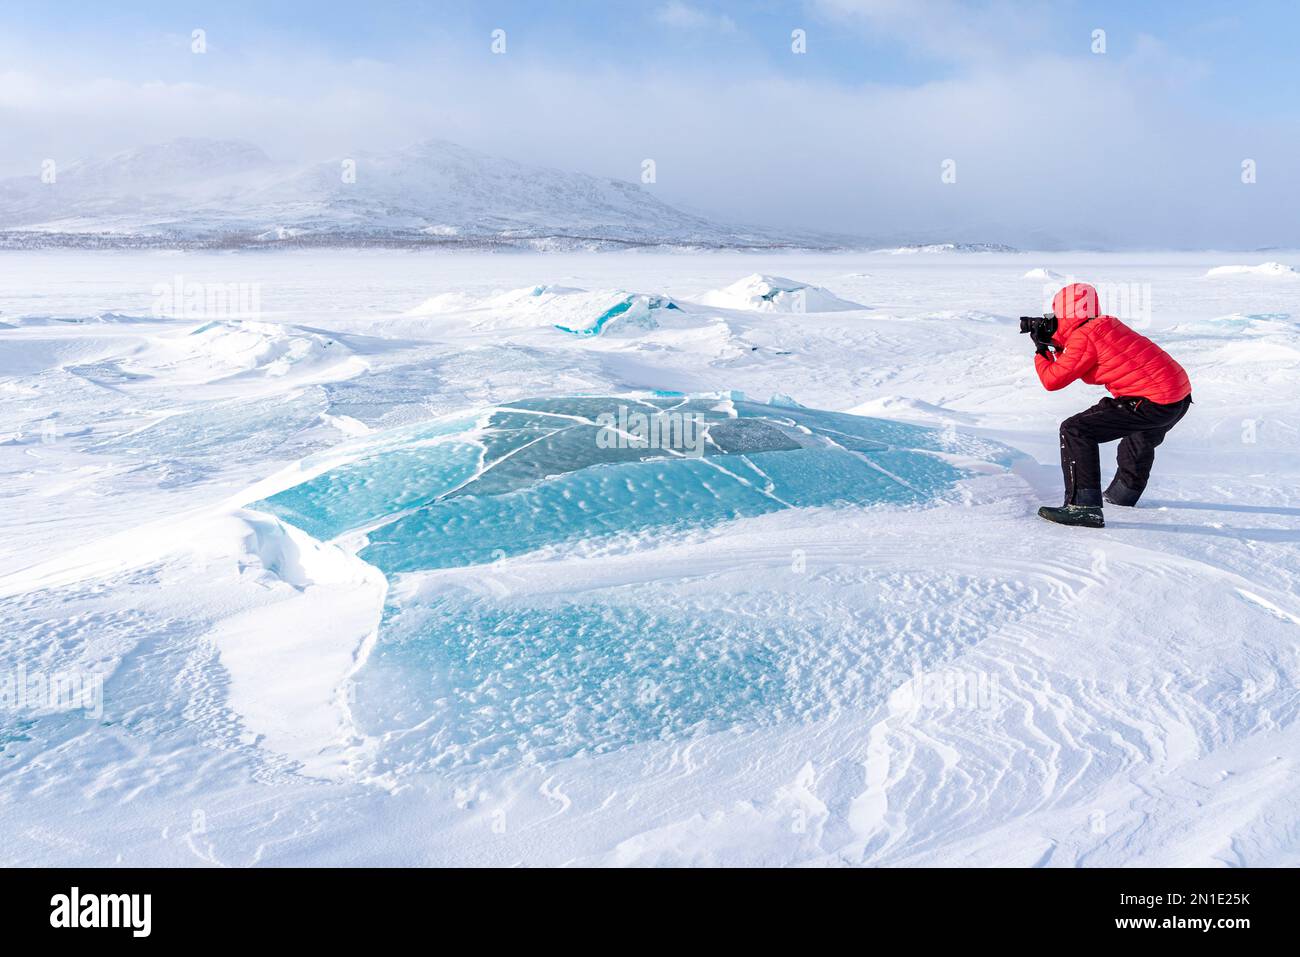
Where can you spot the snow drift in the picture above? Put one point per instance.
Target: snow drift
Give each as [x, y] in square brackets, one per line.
[1271, 269]
[221, 349]
[776, 294]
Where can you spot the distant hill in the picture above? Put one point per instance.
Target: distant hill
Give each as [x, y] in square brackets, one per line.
[229, 194]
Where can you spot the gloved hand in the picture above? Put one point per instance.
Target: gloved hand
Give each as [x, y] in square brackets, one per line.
[1042, 346]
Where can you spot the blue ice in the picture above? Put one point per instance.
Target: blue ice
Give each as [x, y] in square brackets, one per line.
[636, 308]
[534, 474]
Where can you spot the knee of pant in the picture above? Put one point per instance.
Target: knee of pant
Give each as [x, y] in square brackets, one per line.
[1071, 426]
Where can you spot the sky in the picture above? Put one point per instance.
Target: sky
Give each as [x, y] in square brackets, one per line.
[916, 120]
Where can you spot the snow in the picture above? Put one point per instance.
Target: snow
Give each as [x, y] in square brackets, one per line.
[279, 233]
[1043, 274]
[1275, 269]
[286, 682]
[219, 349]
[362, 586]
[776, 294]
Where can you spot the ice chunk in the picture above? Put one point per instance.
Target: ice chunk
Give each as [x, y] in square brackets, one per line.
[580, 312]
[632, 311]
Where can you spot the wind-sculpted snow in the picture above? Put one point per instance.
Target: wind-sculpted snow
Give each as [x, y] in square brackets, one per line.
[465, 677]
[222, 348]
[777, 294]
[539, 473]
[1042, 272]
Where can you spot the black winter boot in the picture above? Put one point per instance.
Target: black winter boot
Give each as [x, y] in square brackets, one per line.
[1120, 494]
[1087, 516]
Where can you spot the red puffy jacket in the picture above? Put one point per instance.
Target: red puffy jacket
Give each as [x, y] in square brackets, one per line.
[1101, 350]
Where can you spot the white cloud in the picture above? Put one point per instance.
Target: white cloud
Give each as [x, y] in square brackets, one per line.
[947, 29]
[682, 16]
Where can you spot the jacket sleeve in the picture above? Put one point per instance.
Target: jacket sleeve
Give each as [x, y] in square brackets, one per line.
[1079, 356]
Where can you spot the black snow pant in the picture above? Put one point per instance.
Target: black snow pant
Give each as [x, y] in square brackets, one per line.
[1139, 423]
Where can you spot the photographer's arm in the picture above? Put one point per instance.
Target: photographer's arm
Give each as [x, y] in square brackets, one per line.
[1079, 356]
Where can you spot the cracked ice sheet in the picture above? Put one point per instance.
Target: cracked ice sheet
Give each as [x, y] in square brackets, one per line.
[536, 474]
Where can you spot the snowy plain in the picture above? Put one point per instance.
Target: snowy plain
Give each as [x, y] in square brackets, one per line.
[940, 678]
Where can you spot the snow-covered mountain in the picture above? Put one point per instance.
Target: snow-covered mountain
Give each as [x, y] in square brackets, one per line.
[170, 188]
[201, 192]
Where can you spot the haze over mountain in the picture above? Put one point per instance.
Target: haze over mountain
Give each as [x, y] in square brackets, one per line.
[205, 192]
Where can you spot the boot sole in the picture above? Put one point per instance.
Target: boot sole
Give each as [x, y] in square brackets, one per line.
[1055, 521]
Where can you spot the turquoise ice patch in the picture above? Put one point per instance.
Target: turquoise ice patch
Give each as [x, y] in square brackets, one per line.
[544, 472]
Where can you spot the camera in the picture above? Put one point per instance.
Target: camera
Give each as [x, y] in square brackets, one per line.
[1040, 328]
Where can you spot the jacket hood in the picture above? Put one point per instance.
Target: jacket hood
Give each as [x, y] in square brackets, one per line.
[1073, 306]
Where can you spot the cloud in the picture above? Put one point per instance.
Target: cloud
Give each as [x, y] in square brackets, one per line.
[682, 16]
[948, 30]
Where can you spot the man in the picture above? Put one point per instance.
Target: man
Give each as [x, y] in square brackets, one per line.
[1151, 393]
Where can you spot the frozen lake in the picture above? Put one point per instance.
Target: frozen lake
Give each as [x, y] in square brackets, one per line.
[335, 560]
